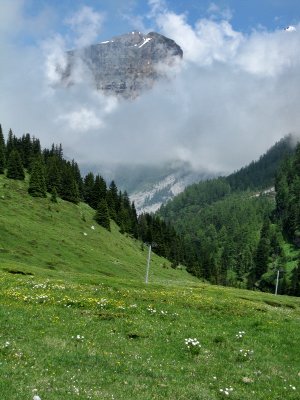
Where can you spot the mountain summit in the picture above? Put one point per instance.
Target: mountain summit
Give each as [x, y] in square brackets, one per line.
[126, 64]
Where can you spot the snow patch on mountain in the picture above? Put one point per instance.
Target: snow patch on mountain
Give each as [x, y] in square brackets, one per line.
[126, 65]
[150, 186]
[151, 199]
[144, 42]
[145, 200]
[290, 28]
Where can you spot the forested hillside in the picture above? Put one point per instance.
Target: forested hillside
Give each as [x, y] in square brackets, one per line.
[51, 175]
[231, 230]
[229, 224]
[261, 174]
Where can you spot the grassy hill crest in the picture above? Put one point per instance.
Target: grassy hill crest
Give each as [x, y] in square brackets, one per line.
[78, 321]
[38, 236]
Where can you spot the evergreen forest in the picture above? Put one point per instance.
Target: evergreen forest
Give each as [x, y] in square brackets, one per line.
[242, 230]
[50, 174]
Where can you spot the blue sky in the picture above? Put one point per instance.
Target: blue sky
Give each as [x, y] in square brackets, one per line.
[234, 94]
[245, 15]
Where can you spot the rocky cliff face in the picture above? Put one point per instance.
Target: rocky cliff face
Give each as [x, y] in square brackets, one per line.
[150, 186]
[127, 64]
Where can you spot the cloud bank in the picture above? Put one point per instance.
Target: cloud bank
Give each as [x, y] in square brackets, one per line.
[233, 96]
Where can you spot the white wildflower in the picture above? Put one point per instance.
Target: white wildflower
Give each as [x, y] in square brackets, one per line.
[193, 345]
[151, 310]
[245, 353]
[35, 395]
[240, 334]
[226, 391]
[79, 338]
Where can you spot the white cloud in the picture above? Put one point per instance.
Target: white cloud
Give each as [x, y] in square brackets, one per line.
[86, 25]
[11, 17]
[156, 7]
[205, 43]
[270, 53]
[290, 28]
[81, 120]
[136, 22]
[55, 59]
[15, 25]
[215, 12]
[234, 96]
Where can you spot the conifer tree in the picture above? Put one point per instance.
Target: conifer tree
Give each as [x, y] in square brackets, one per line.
[26, 151]
[124, 213]
[53, 174]
[263, 251]
[88, 185]
[69, 189]
[142, 227]
[287, 187]
[112, 200]
[98, 192]
[111, 206]
[60, 151]
[37, 185]
[36, 147]
[123, 220]
[10, 144]
[2, 152]
[295, 284]
[134, 219]
[14, 166]
[102, 214]
[78, 178]
[54, 195]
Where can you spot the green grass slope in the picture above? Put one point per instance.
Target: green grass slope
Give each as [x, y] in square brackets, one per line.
[114, 339]
[82, 324]
[39, 237]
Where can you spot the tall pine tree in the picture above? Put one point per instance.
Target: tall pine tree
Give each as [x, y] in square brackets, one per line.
[26, 151]
[88, 185]
[53, 173]
[37, 185]
[113, 200]
[53, 197]
[102, 214]
[69, 189]
[2, 152]
[10, 144]
[14, 166]
[295, 283]
[78, 178]
[98, 192]
[261, 258]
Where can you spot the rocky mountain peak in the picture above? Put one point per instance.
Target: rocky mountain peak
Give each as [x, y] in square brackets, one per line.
[128, 64]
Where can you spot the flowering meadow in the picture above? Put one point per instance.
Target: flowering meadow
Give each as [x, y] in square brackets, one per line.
[77, 320]
[104, 338]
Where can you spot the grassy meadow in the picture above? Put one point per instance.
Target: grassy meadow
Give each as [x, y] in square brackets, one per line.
[77, 320]
[63, 239]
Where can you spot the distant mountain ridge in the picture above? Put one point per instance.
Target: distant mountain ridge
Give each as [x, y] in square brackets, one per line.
[152, 197]
[231, 227]
[150, 186]
[258, 175]
[126, 65]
